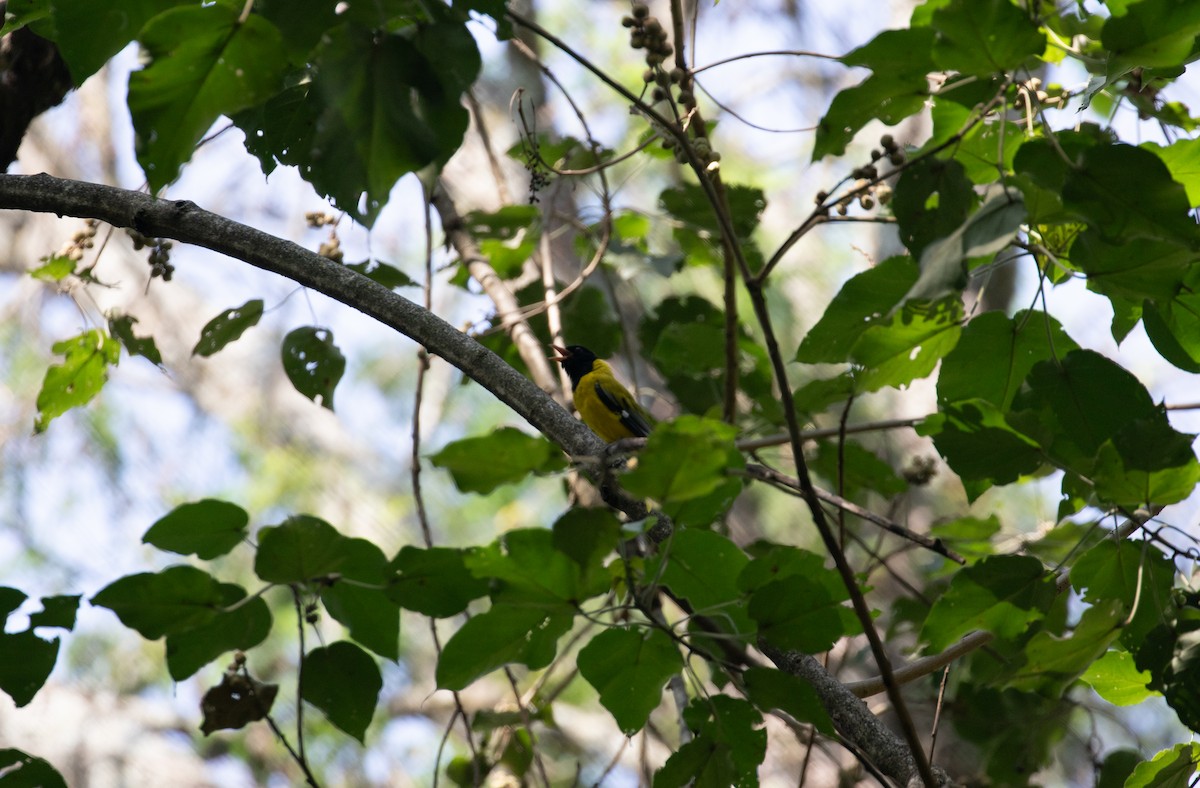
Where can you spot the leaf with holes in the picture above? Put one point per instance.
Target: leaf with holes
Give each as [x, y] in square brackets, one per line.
[313, 363]
[79, 378]
[227, 327]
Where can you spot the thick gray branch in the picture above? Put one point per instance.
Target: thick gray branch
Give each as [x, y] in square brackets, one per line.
[183, 221]
[887, 751]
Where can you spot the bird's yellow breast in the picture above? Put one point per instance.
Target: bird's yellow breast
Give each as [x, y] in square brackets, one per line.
[604, 421]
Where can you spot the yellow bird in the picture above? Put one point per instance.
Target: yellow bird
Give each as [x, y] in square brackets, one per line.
[604, 404]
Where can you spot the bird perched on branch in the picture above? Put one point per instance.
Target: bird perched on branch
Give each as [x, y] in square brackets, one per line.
[604, 404]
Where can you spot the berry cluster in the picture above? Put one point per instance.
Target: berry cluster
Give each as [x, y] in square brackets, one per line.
[81, 240]
[539, 179]
[866, 191]
[160, 254]
[921, 470]
[331, 248]
[646, 32]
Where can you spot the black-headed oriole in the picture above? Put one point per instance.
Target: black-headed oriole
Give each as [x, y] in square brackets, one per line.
[604, 404]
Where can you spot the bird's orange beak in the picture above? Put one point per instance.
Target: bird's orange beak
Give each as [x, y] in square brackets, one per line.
[563, 354]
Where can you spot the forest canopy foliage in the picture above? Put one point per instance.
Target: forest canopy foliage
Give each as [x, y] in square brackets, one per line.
[763, 521]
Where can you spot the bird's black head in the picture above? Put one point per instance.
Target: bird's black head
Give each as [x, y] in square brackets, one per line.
[576, 360]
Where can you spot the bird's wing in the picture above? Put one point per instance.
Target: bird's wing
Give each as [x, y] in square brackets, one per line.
[629, 413]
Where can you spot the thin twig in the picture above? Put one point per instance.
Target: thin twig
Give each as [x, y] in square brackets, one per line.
[861, 609]
[770, 53]
[763, 473]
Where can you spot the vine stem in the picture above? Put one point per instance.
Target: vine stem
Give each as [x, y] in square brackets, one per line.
[857, 600]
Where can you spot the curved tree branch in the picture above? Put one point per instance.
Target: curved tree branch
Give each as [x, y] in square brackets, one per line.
[184, 221]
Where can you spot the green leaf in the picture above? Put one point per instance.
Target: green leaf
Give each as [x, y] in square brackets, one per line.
[121, 327]
[1182, 158]
[689, 204]
[702, 567]
[10, 600]
[770, 689]
[1002, 594]
[300, 22]
[1147, 463]
[1117, 767]
[504, 456]
[1132, 269]
[227, 327]
[509, 632]
[371, 616]
[507, 237]
[817, 395]
[313, 363]
[80, 377]
[1059, 409]
[986, 232]
[897, 88]
[381, 105]
[979, 444]
[586, 536]
[691, 349]
[683, 459]
[970, 537]
[305, 548]
[204, 62]
[861, 470]
[387, 275]
[983, 37]
[344, 682]
[527, 560]
[909, 345]
[1115, 677]
[1151, 33]
[988, 149]
[801, 613]
[1114, 570]
[1124, 192]
[243, 627]
[628, 668]
[1173, 768]
[1173, 330]
[863, 301]
[774, 562]
[932, 199]
[57, 611]
[54, 268]
[702, 762]
[163, 603]
[25, 663]
[995, 353]
[21, 770]
[91, 32]
[206, 529]
[1053, 662]
[728, 749]
[434, 582]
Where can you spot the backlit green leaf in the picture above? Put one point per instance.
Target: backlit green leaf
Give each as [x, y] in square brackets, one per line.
[80, 377]
[504, 456]
[204, 61]
[206, 529]
[1001, 594]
